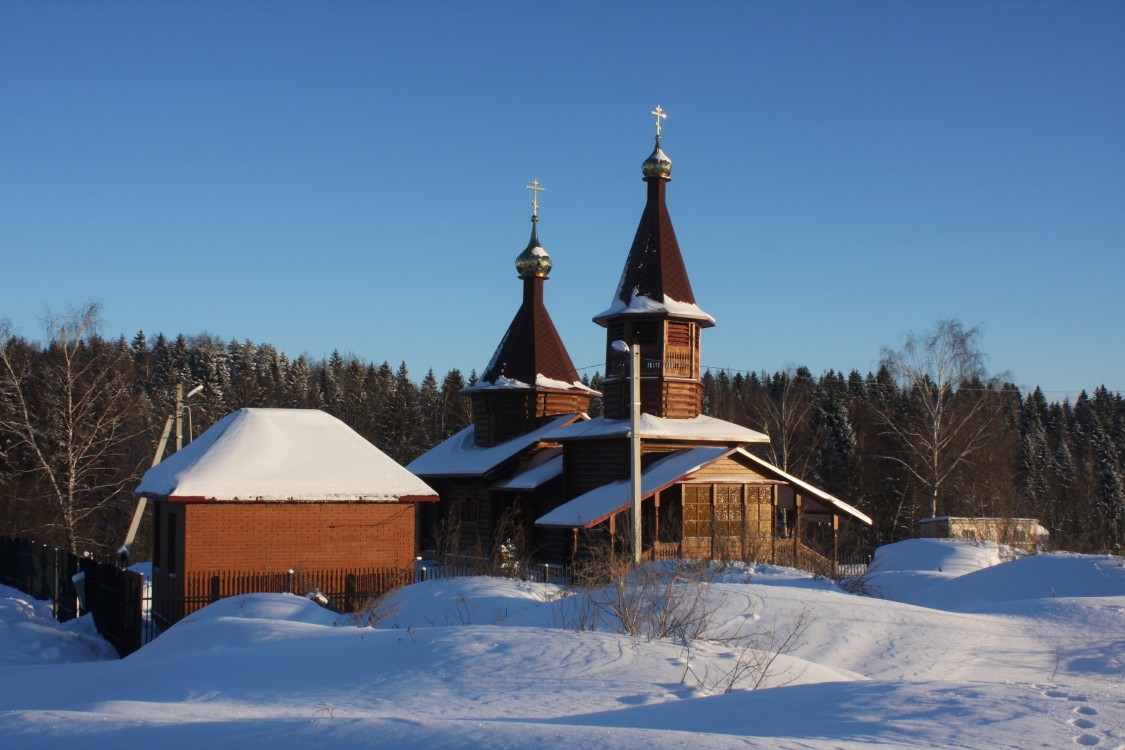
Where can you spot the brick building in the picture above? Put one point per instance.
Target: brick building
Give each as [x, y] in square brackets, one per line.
[267, 491]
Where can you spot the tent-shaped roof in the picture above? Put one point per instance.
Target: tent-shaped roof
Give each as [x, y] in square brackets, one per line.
[655, 281]
[279, 455]
[531, 354]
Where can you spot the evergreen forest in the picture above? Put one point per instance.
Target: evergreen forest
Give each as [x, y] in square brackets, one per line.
[81, 415]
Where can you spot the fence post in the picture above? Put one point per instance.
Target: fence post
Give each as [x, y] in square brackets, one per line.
[55, 588]
[214, 589]
[349, 592]
[289, 582]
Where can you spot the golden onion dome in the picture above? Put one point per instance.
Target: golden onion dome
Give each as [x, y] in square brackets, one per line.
[534, 261]
[658, 164]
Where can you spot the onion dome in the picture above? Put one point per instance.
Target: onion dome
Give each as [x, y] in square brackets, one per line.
[658, 165]
[534, 261]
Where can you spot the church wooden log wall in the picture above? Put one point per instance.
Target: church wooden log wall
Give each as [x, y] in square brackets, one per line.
[503, 416]
[592, 463]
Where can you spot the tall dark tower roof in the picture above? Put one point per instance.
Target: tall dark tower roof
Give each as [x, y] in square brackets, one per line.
[531, 354]
[655, 282]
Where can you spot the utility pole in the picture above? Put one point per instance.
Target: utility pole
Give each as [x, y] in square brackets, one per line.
[635, 449]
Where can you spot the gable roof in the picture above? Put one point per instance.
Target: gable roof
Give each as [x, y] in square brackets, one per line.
[807, 489]
[459, 456]
[593, 507]
[279, 455]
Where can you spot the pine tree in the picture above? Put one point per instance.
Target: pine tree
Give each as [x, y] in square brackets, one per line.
[455, 409]
[1111, 492]
[402, 424]
[1034, 458]
[303, 391]
[245, 386]
[838, 461]
[431, 408]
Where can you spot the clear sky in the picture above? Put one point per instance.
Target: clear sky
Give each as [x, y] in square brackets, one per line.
[351, 175]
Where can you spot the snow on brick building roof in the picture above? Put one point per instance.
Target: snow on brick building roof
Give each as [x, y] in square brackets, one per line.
[282, 454]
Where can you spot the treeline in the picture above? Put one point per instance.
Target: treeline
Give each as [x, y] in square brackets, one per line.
[1056, 462]
[80, 417]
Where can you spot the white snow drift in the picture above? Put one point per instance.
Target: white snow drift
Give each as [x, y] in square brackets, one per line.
[1028, 653]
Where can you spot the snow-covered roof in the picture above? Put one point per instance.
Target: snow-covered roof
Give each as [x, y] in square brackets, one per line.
[540, 470]
[601, 502]
[652, 428]
[807, 489]
[282, 454]
[541, 381]
[459, 456]
[639, 304]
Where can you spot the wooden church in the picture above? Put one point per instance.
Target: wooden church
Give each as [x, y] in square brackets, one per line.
[533, 461]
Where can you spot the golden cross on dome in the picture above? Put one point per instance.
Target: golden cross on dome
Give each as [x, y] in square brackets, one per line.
[535, 191]
[660, 115]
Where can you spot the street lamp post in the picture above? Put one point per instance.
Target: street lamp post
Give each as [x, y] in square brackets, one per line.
[126, 549]
[634, 439]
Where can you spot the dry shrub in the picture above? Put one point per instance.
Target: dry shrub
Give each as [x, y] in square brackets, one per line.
[376, 609]
[675, 601]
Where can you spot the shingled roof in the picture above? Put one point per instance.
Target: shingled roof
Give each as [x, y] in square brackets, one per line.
[655, 280]
[531, 354]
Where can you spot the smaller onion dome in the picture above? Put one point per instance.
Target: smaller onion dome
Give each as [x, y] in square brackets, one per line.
[658, 164]
[534, 261]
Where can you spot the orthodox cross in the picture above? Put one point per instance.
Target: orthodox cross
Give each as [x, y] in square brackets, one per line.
[535, 190]
[660, 115]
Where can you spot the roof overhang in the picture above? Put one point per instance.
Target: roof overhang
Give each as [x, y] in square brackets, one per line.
[357, 500]
[807, 489]
[597, 505]
[459, 456]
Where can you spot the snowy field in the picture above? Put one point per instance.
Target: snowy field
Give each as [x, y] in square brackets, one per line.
[956, 649]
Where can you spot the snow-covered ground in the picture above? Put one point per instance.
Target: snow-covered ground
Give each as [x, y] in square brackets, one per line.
[956, 649]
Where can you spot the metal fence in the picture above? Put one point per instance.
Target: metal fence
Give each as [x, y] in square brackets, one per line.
[77, 586]
[342, 590]
[853, 567]
[122, 601]
[462, 566]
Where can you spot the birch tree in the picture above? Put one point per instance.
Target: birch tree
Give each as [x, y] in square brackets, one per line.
[949, 407]
[68, 412]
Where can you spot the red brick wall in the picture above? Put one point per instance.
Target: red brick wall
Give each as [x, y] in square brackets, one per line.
[267, 537]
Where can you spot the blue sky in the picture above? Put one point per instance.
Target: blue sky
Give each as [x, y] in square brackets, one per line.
[351, 175]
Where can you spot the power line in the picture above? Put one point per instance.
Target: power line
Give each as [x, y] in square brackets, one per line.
[716, 368]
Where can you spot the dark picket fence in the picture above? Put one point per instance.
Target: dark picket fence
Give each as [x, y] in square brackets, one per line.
[853, 567]
[121, 601]
[79, 585]
[344, 591]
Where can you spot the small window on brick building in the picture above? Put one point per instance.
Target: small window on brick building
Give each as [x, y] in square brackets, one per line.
[470, 510]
